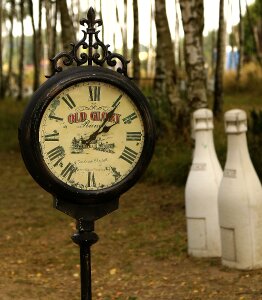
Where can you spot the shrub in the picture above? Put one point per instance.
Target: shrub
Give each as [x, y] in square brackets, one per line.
[250, 80]
[255, 139]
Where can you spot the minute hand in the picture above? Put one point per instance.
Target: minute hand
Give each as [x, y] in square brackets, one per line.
[108, 117]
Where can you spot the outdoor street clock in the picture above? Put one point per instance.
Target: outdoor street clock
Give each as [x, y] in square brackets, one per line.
[87, 135]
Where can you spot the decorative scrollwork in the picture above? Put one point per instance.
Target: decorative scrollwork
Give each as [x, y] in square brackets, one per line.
[92, 43]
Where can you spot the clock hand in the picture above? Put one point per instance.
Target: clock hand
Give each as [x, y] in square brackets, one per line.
[107, 128]
[102, 126]
[108, 116]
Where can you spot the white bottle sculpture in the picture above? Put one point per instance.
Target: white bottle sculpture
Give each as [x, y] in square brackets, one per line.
[202, 189]
[240, 200]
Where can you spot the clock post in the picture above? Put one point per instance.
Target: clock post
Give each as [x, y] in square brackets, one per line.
[85, 237]
[87, 136]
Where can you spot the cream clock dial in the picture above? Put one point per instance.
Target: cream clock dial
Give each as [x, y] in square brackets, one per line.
[91, 135]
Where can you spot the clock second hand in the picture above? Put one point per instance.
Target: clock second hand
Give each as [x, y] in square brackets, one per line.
[102, 126]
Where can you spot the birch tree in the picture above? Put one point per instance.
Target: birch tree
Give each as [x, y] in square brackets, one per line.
[240, 43]
[123, 27]
[136, 61]
[150, 60]
[11, 47]
[37, 42]
[165, 75]
[220, 63]
[254, 35]
[193, 24]
[21, 58]
[68, 34]
[1, 53]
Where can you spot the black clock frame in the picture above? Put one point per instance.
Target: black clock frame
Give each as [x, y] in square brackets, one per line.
[29, 134]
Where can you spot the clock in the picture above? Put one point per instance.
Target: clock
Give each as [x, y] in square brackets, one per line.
[87, 134]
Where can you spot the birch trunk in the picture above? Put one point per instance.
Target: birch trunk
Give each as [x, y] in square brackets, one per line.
[240, 42]
[11, 51]
[123, 27]
[1, 53]
[193, 24]
[21, 59]
[150, 59]
[136, 61]
[220, 63]
[68, 34]
[54, 34]
[165, 75]
[36, 48]
[254, 35]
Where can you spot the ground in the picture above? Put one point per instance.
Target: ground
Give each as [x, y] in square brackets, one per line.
[141, 253]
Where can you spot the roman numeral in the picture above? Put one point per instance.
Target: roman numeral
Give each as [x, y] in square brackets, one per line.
[68, 171]
[69, 101]
[94, 93]
[129, 155]
[116, 103]
[91, 182]
[52, 136]
[133, 136]
[58, 153]
[130, 118]
[55, 118]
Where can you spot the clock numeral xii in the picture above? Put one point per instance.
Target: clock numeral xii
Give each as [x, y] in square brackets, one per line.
[94, 93]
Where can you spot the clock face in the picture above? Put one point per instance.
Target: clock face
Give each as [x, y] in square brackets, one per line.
[91, 135]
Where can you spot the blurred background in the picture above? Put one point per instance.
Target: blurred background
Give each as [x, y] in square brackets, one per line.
[184, 55]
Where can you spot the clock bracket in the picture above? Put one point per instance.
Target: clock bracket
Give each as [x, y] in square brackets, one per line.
[90, 50]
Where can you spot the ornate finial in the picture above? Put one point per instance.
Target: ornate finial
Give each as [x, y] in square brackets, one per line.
[91, 55]
[91, 21]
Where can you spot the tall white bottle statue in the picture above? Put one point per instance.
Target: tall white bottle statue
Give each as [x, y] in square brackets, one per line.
[202, 189]
[240, 200]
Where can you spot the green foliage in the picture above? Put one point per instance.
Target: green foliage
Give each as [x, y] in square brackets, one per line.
[255, 139]
[173, 151]
[255, 11]
[249, 85]
[10, 115]
[171, 162]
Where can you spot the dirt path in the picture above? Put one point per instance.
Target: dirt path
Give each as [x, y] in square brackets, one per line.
[141, 253]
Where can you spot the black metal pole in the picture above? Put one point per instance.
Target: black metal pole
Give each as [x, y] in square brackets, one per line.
[85, 237]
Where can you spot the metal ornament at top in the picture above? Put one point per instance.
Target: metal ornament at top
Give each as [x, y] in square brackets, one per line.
[90, 56]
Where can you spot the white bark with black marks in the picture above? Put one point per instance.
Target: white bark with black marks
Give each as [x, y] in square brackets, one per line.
[193, 24]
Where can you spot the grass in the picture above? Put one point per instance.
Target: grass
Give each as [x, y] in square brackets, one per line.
[36, 245]
[10, 115]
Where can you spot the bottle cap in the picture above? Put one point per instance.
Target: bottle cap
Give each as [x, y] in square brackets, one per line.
[203, 119]
[235, 121]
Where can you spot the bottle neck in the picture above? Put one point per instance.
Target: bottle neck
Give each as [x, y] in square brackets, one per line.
[204, 145]
[204, 138]
[237, 147]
